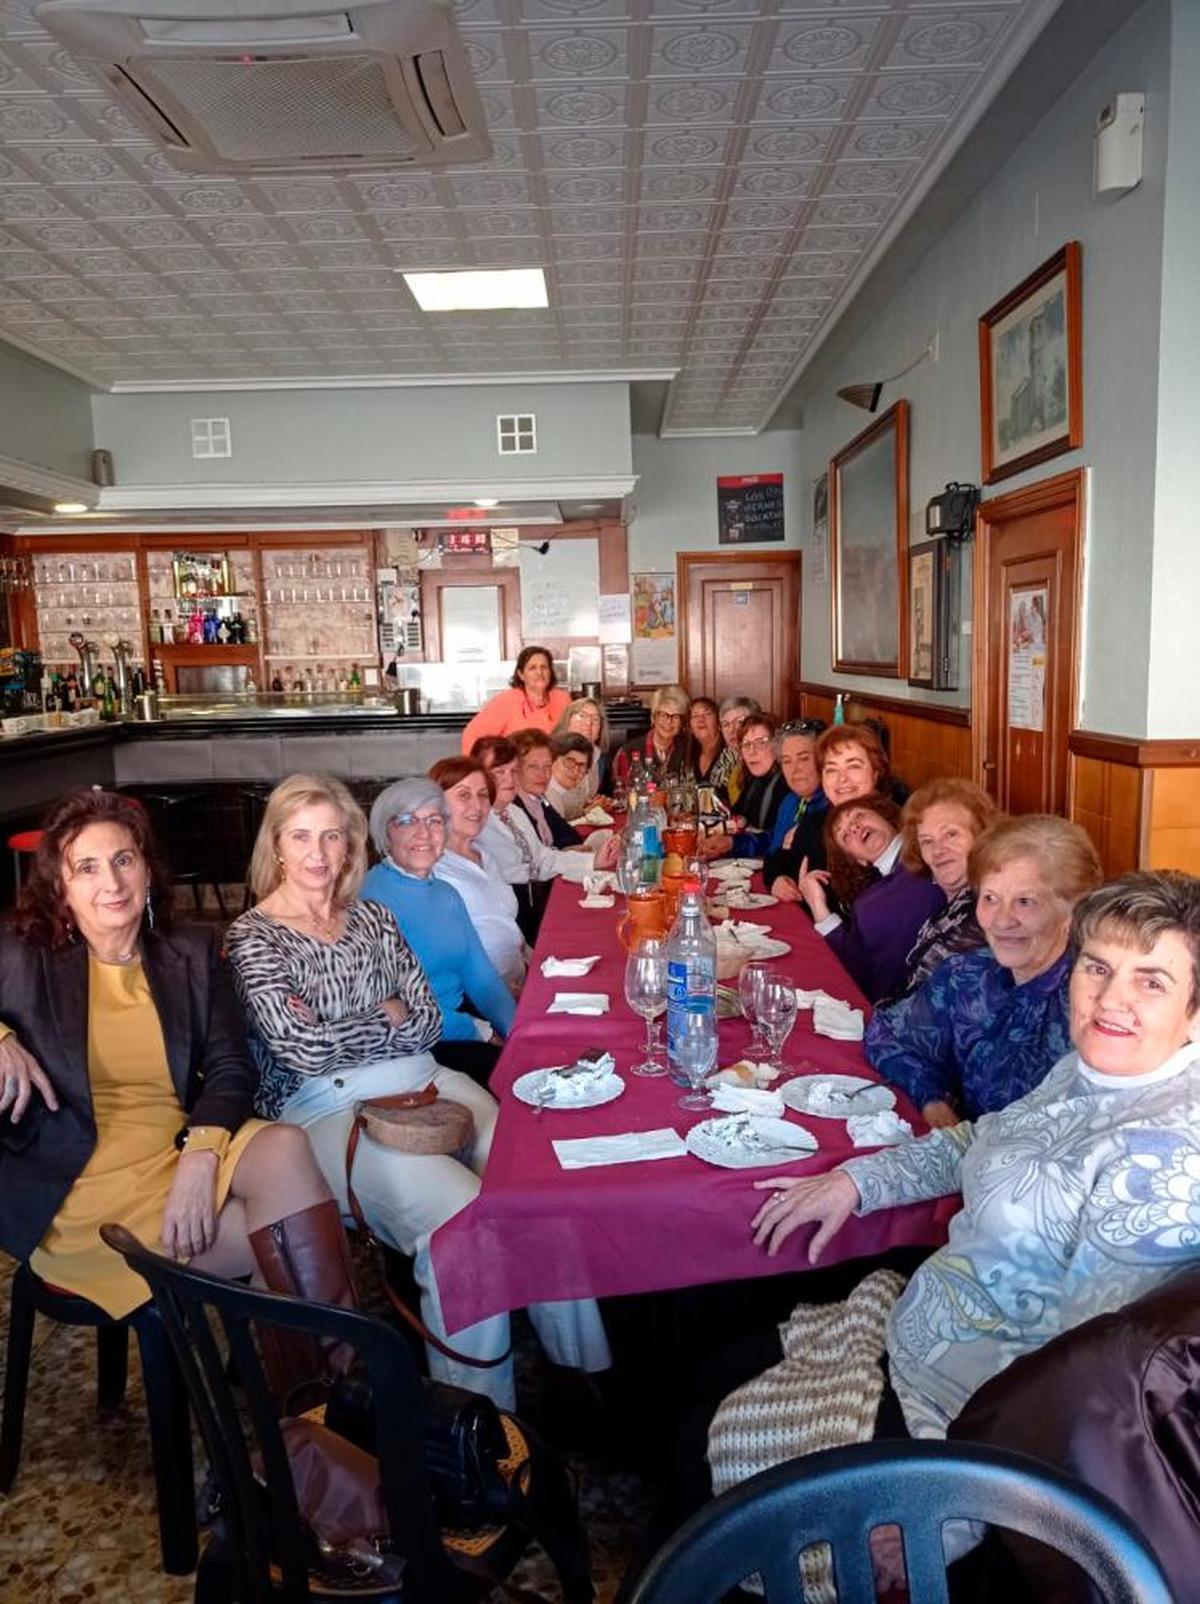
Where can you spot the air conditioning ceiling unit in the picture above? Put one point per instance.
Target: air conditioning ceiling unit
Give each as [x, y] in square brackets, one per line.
[239, 86]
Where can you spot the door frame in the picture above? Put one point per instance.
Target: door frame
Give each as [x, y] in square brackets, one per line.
[686, 560]
[1064, 489]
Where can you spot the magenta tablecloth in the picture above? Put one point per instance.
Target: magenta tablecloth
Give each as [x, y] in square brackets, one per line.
[537, 1232]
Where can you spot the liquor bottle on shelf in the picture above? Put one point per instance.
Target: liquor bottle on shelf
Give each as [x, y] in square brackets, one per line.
[109, 700]
[156, 628]
[251, 629]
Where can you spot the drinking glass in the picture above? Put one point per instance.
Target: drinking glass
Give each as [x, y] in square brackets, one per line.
[695, 1049]
[629, 864]
[646, 994]
[776, 1016]
[752, 977]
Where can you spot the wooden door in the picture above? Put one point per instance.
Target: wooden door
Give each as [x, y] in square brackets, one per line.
[1027, 618]
[740, 626]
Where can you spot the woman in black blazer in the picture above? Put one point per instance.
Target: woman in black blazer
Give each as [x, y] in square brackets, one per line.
[126, 1083]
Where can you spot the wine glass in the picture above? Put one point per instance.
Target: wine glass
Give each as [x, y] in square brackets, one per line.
[776, 1016]
[646, 994]
[629, 864]
[752, 976]
[695, 1049]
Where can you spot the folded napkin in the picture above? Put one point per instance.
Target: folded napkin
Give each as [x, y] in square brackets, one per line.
[727, 1099]
[579, 1002]
[581, 1152]
[594, 815]
[740, 932]
[809, 999]
[837, 1020]
[568, 966]
[593, 901]
[883, 1129]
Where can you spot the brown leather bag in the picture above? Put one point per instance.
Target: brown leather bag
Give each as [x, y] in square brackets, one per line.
[412, 1122]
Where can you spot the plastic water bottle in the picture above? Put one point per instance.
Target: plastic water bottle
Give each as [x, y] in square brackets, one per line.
[691, 973]
[646, 826]
[839, 708]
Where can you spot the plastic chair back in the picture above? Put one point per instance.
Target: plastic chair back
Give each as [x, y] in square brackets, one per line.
[267, 1544]
[839, 1497]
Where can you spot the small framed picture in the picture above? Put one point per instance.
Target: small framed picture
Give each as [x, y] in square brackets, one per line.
[933, 615]
[1031, 369]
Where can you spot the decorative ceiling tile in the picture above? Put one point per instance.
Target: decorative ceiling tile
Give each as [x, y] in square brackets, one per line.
[692, 102]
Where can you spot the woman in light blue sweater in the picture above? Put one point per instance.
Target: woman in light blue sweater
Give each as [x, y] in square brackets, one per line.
[408, 827]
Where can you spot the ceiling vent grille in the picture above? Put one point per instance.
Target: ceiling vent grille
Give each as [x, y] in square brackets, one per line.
[284, 85]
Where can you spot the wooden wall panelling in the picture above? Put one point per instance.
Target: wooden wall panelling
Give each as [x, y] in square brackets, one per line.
[1107, 799]
[1172, 833]
[928, 740]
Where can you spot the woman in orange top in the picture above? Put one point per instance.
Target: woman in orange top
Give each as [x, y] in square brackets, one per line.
[533, 701]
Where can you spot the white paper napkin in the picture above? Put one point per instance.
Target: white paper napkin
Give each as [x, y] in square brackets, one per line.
[568, 966]
[593, 901]
[740, 933]
[594, 815]
[837, 1020]
[729, 1099]
[580, 1153]
[883, 1129]
[809, 999]
[579, 1002]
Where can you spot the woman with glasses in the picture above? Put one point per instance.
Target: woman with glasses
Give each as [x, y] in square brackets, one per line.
[666, 748]
[585, 716]
[408, 827]
[570, 789]
[340, 1012]
[748, 833]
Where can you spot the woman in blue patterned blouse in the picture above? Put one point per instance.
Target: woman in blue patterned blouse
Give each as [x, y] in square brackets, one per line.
[986, 1026]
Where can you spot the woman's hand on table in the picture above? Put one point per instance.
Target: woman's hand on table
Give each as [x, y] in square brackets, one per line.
[396, 1011]
[784, 889]
[189, 1225]
[607, 853]
[939, 1116]
[828, 1200]
[20, 1076]
[811, 883]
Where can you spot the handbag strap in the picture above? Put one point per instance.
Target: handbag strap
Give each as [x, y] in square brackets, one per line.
[419, 1099]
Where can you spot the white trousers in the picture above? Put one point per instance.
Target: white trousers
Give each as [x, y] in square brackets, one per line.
[406, 1196]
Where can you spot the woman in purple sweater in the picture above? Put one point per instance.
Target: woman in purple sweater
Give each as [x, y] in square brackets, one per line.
[872, 938]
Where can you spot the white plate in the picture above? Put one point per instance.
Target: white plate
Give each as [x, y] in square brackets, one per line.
[701, 1141]
[744, 899]
[765, 947]
[797, 1095]
[734, 868]
[526, 1088]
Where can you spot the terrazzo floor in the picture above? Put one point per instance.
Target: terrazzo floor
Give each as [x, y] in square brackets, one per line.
[79, 1525]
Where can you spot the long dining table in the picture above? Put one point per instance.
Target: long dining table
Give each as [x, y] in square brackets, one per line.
[537, 1232]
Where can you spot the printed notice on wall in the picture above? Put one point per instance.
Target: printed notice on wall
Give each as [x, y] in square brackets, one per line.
[616, 620]
[818, 561]
[1027, 658]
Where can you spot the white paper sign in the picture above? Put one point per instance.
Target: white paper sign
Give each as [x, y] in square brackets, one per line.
[1027, 658]
[653, 662]
[616, 620]
[560, 589]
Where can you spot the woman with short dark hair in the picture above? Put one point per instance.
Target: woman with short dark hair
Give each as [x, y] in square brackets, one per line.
[533, 700]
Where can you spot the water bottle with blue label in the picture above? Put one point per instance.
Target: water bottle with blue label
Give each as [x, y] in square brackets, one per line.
[691, 974]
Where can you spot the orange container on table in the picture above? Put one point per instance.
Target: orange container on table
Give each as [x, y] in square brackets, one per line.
[646, 917]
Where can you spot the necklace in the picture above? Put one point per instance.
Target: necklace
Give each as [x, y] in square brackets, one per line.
[324, 927]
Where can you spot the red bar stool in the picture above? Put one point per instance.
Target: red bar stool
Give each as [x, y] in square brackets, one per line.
[24, 842]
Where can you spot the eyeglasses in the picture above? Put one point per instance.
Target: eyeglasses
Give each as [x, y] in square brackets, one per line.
[418, 821]
[762, 744]
[673, 718]
[803, 726]
[578, 765]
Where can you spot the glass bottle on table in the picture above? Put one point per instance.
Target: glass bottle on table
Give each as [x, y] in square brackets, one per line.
[646, 994]
[691, 974]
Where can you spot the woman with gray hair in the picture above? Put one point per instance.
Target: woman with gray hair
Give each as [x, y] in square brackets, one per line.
[666, 747]
[408, 827]
[340, 1012]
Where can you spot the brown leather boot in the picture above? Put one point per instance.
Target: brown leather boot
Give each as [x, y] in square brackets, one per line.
[305, 1255]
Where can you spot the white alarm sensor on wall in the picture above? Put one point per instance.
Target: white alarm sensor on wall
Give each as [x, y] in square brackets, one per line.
[1117, 145]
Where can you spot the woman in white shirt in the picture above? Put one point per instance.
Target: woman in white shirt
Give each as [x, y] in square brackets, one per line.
[473, 870]
[513, 844]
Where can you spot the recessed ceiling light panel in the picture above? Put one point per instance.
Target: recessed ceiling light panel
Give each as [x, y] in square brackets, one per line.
[483, 290]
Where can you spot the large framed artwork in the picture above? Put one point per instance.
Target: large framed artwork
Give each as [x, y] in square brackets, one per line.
[868, 516]
[1031, 369]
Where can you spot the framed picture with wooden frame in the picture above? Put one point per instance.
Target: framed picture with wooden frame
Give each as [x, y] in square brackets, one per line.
[933, 614]
[1031, 369]
[868, 519]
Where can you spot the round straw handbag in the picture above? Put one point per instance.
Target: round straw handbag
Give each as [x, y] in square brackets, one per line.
[416, 1122]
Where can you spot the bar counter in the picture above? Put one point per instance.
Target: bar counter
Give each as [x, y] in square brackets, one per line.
[226, 751]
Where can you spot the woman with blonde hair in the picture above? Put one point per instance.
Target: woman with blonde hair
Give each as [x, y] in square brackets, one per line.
[340, 1012]
[666, 747]
[986, 1026]
[585, 716]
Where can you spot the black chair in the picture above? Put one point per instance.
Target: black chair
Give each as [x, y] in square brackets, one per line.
[840, 1496]
[261, 1552]
[166, 1399]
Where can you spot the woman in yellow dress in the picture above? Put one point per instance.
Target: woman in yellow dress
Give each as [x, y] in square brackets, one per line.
[126, 1084]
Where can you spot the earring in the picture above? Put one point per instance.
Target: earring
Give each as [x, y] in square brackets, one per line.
[149, 911]
[282, 867]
